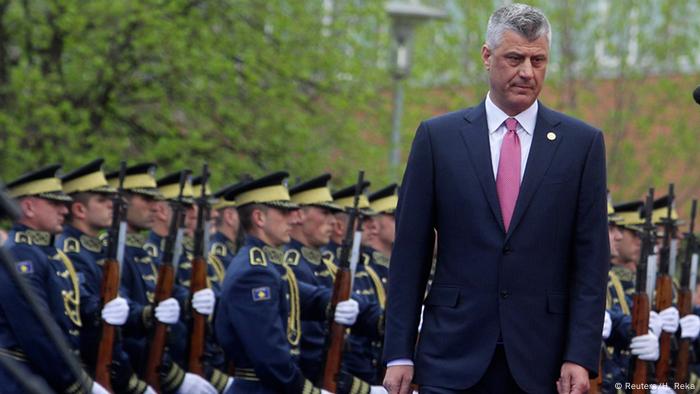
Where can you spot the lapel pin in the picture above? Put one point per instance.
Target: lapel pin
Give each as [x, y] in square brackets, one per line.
[551, 136]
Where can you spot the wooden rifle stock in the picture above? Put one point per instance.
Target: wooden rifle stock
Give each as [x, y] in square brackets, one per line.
[640, 324]
[109, 289]
[108, 292]
[164, 289]
[198, 280]
[199, 321]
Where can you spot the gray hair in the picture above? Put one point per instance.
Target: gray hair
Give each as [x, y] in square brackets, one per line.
[525, 20]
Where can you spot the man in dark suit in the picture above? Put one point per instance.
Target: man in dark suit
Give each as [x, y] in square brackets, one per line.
[517, 196]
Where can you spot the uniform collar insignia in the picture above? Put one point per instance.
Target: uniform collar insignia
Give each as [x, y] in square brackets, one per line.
[135, 240]
[380, 259]
[92, 244]
[275, 255]
[313, 256]
[33, 237]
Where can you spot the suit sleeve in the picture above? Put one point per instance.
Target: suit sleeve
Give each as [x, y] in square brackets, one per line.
[413, 249]
[590, 259]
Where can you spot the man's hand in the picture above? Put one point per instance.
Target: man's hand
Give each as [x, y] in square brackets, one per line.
[573, 379]
[397, 379]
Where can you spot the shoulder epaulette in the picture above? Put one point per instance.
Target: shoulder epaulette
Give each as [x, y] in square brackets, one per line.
[380, 259]
[273, 254]
[291, 257]
[151, 249]
[90, 243]
[313, 256]
[71, 245]
[328, 256]
[218, 249]
[104, 239]
[22, 238]
[257, 256]
[32, 237]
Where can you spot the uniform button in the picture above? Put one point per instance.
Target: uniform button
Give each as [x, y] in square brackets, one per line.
[507, 250]
[505, 294]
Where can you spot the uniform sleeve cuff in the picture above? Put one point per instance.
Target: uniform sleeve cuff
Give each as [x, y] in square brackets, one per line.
[399, 361]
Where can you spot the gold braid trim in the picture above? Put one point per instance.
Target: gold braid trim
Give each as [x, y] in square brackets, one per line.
[378, 285]
[620, 292]
[332, 268]
[173, 379]
[71, 299]
[294, 319]
[218, 267]
[218, 379]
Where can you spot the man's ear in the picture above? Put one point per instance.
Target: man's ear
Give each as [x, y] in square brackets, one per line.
[27, 206]
[259, 218]
[78, 210]
[486, 56]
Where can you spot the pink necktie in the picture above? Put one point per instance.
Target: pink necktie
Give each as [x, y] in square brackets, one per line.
[508, 178]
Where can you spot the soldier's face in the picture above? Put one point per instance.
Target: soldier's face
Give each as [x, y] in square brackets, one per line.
[370, 231]
[277, 225]
[98, 214]
[615, 236]
[140, 212]
[317, 225]
[191, 219]
[341, 220]
[386, 227]
[630, 246]
[44, 215]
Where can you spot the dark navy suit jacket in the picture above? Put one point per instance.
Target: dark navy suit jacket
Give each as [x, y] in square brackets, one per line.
[541, 285]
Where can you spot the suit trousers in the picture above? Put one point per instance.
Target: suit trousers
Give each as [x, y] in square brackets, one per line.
[496, 380]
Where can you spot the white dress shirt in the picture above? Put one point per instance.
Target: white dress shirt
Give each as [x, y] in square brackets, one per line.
[495, 119]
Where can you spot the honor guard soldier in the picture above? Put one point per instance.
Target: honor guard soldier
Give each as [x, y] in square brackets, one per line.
[225, 241]
[344, 199]
[258, 323]
[89, 214]
[139, 279]
[52, 279]
[309, 233]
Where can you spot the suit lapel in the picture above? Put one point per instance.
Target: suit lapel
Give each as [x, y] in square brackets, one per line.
[476, 137]
[541, 153]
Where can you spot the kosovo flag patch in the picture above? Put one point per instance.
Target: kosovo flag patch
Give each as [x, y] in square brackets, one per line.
[25, 267]
[261, 293]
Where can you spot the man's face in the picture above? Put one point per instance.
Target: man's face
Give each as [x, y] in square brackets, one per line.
[191, 218]
[615, 236]
[140, 212]
[277, 224]
[516, 70]
[339, 228]
[317, 225]
[370, 231]
[386, 227]
[630, 246]
[98, 212]
[44, 215]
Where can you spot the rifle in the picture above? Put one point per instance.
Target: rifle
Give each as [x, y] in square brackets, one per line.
[198, 281]
[109, 290]
[685, 295]
[640, 307]
[341, 292]
[664, 290]
[164, 289]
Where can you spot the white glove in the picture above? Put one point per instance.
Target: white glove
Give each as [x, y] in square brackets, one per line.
[646, 347]
[669, 317]
[690, 326]
[149, 390]
[325, 392]
[346, 312]
[168, 311]
[116, 311]
[655, 323]
[377, 390]
[194, 384]
[97, 389]
[229, 383]
[204, 301]
[661, 389]
[607, 325]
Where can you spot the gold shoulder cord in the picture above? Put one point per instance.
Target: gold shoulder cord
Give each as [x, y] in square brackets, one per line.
[294, 318]
[71, 298]
[620, 292]
[218, 266]
[332, 268]
[378, 285]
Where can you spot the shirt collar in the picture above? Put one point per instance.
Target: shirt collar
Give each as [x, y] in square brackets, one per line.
[495, 116]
